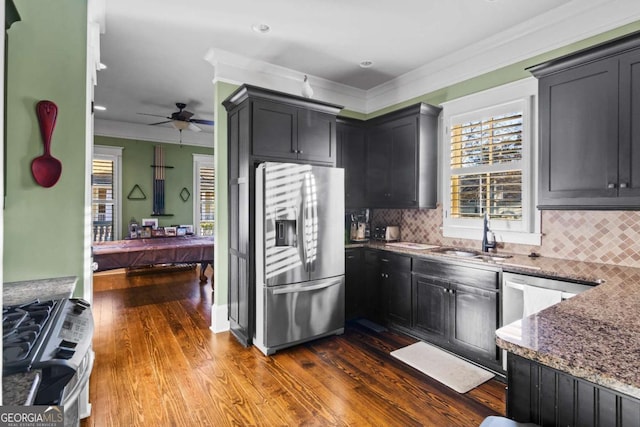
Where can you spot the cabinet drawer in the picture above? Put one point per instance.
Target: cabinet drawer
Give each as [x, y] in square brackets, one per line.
[352, 253]
[456, 273]
[371, 257]
[395, 262]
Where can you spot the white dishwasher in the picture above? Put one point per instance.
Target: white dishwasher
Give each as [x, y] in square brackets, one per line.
[523, 295]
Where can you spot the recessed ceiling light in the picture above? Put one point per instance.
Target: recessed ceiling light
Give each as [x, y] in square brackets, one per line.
[261, 28]
[99, 107]
[102, 66]
[366, 63]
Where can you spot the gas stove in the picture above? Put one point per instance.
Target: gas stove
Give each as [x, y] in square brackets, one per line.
[51, 336]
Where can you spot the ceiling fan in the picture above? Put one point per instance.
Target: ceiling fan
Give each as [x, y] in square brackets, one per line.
[181, 119]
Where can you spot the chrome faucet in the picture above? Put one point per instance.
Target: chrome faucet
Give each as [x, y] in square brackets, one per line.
[488, 237]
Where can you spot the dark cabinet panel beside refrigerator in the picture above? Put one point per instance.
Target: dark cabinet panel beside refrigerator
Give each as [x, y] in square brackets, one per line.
[265, 125]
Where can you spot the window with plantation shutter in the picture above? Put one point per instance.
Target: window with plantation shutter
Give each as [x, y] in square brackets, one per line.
[204, 209]
[488, 164]
[105, 193]
[486, 167]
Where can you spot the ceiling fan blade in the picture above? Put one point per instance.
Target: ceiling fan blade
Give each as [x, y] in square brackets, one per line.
[202, 122]
[153, 115]
[160, 123]
[194, 127]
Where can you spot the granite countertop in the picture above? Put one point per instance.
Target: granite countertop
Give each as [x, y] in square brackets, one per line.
[44, 289]
[18, 389]
[579, 271]
[594, 335]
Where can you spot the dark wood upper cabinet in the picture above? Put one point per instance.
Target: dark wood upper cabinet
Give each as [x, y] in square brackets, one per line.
[285, 132]
[401, 158]
[589, 140]
[275, 130]
[351, 136]
[288, 128]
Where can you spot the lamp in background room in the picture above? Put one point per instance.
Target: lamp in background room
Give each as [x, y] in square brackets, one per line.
[307, 91]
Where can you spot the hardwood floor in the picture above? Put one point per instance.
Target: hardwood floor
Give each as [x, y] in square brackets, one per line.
[159, 364]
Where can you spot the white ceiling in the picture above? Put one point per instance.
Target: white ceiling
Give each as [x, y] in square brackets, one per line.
[155, 49]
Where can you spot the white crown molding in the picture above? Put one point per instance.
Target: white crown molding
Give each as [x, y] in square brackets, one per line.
[237, 69]
[125, 130]
[572, 22]
[557, 28]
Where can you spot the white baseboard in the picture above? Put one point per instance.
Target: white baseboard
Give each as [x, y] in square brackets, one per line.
[219, 318]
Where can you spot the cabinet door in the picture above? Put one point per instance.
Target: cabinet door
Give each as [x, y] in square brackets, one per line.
[378, 166]
[354, 292]
[274, 130]
[371, 286]
[474, 320]
[629, 159]
[316, 137]
[404, 162]
[395, 281]
[430, 307]
[579, 135]
[351, 140]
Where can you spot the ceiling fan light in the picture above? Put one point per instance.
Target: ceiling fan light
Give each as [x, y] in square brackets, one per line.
[179, 124]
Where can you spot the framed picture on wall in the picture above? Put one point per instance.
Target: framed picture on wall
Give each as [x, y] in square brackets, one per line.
[153, 222]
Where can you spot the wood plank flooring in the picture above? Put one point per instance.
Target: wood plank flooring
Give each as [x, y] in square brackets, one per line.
[159, 364]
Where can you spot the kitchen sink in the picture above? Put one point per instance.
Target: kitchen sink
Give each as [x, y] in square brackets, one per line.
[461, 253]
[470, 253]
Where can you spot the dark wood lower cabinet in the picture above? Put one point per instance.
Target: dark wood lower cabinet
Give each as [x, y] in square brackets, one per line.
[355, 305]
[474, 320]
[448, 304]
[547, 397]
[395, 283]
[431, 308]
[457, 307]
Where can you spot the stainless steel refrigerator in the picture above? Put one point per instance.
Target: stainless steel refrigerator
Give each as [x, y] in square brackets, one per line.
[299, 254]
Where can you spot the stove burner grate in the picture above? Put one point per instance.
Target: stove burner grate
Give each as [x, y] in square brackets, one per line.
[22, 326]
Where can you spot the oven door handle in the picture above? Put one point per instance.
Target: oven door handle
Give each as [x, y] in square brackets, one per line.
[73, 395]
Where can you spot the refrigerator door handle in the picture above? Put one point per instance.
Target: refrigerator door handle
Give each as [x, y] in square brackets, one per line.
[314, 224]
[296, 289]
[309, 222]
[303, 226]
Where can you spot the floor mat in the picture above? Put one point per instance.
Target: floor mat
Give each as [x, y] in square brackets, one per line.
[444, 367]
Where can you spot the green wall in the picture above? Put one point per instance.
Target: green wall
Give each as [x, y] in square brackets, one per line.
[43, 227]
[137, 158]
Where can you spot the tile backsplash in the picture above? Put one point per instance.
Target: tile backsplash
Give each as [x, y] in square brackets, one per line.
[611, 237]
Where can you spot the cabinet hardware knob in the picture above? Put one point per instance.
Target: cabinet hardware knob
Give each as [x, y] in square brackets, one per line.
[384, 260]
[623, 185]
[300, 151]
[611, 185]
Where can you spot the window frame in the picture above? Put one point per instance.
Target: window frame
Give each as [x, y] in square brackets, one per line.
[114, 154]
[492, 102]
[199, 160]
